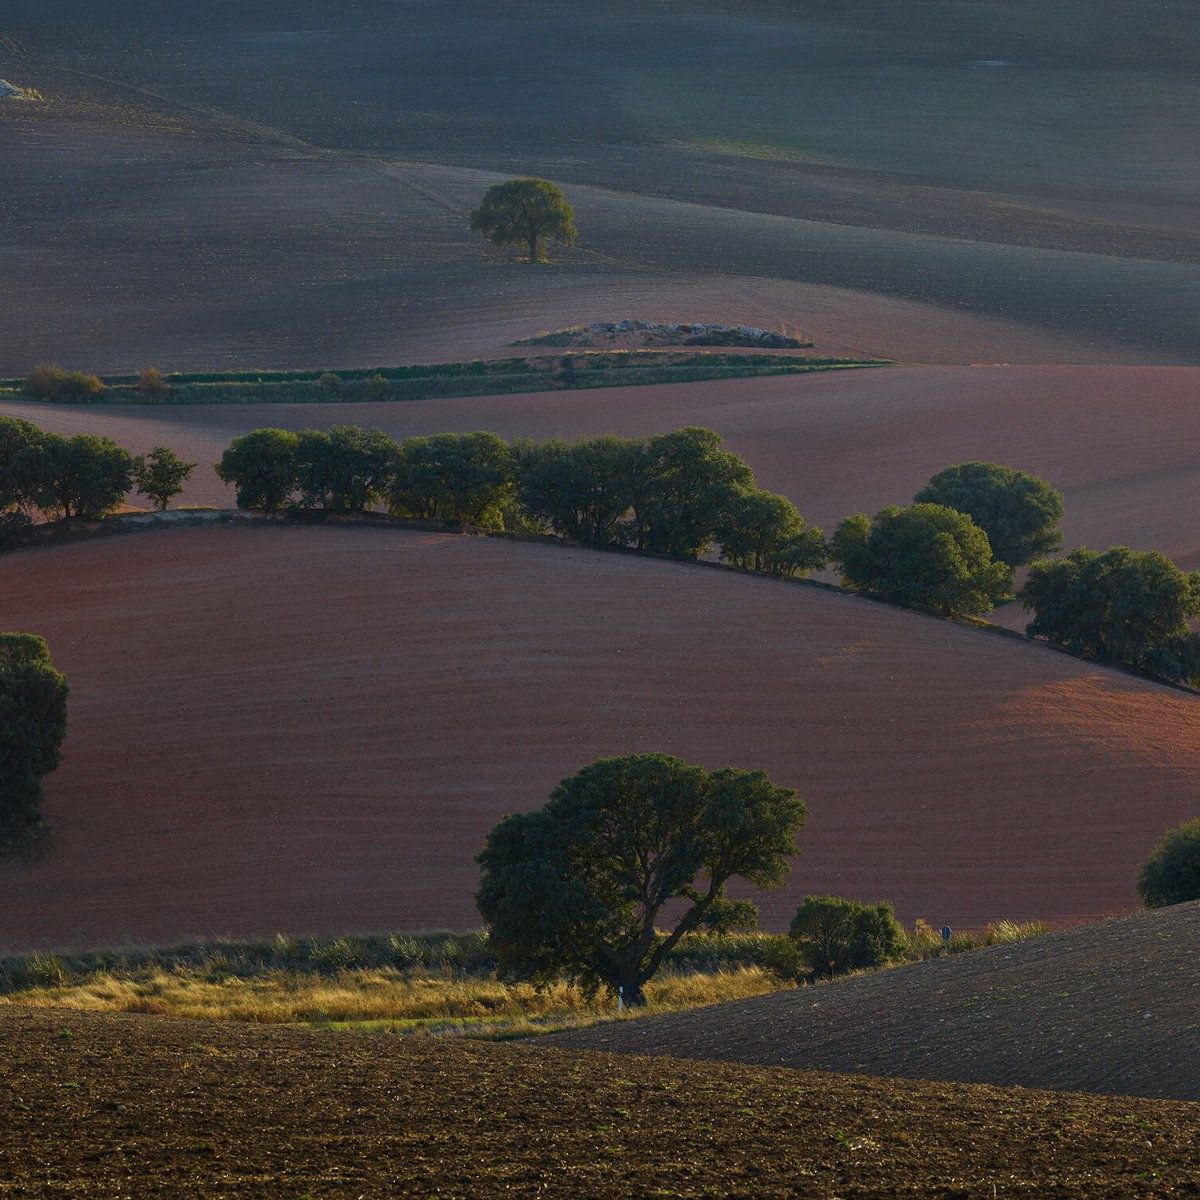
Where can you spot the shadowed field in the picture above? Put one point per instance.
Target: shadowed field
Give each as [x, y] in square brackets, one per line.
[1106, 1008]
[224, 185]
[312, 729]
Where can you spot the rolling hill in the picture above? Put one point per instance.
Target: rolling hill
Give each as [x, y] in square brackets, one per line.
[308, 729]
[1105, 1008]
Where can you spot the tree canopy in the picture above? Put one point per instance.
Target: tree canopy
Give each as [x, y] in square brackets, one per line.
[84, 476]
[1019, 512]
[346, 469]
[837, 936]
[760, 531]
[33, 722]
[576, 889]
[1172, 873]
[526, 212]
[925, 556]
[262, 467]
[460, 477]
[1131, 606]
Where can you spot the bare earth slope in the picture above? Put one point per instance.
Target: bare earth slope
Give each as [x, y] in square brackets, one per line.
[1105, 1008]
[312, 729]
[161, 1108]
[1117, 440]
[931, 181]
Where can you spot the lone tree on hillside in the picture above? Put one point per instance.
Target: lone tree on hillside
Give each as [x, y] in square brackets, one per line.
[1019, 512]
[262, 467]
[1130, 606]
[525, 212]
[925, 556]
[576, 888]
[837, 936]
[33, 721]
[160, 476]
[1172, 874]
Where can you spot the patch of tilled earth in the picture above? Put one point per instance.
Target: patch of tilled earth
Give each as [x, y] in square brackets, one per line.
[1106, 1008]
[141, 1106]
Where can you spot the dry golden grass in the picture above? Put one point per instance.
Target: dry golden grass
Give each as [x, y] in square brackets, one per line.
[385, 999]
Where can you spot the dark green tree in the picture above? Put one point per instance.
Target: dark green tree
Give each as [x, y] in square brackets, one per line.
[925, 556]
[837, 936]
[760, 531]
[1172, 873]
[575, 890]
[84, 476]
[580, 490]
[160, 476]
[461, 477]
[345, 470]
[16, 435]
[686, 484]
[1019, 512]
[33, 722]
[262, 467]
[525, 212]
[1130, 606]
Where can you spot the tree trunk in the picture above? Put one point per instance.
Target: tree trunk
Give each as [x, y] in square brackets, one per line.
[631, 993]
[535, 254]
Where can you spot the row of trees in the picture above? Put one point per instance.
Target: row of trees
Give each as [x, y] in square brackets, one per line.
[677, 494]
[83, 477]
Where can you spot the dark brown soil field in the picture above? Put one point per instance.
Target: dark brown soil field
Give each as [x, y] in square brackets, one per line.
[1117, 440]
[1107, 1008]
[140, 1106]
[312, 729]
[229, 184]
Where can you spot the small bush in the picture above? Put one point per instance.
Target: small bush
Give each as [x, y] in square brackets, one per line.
[836, 936]
[16, 528]
[152, 385]
[53, 383]
[1172, 873]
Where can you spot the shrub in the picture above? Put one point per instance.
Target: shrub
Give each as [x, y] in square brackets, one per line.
[33, 722]
[925, 556]
[1172, 873]
[152, 384]
[16, 529]
[837, 936]
[760, 531]
[262, 467]
[53, 383]
[1019, 512]
[378, 387]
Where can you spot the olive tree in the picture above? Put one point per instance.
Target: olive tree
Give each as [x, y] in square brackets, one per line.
[345, 470]
[577, 888]
[33, 722]
[1019, 512]
[1172, 873]
[525, 212]
[262, 468]
[925, 556]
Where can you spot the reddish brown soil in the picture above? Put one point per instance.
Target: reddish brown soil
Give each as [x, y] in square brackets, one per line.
[308, 729]
[1117, 440]
[139, 1106]
[1107, 1008]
